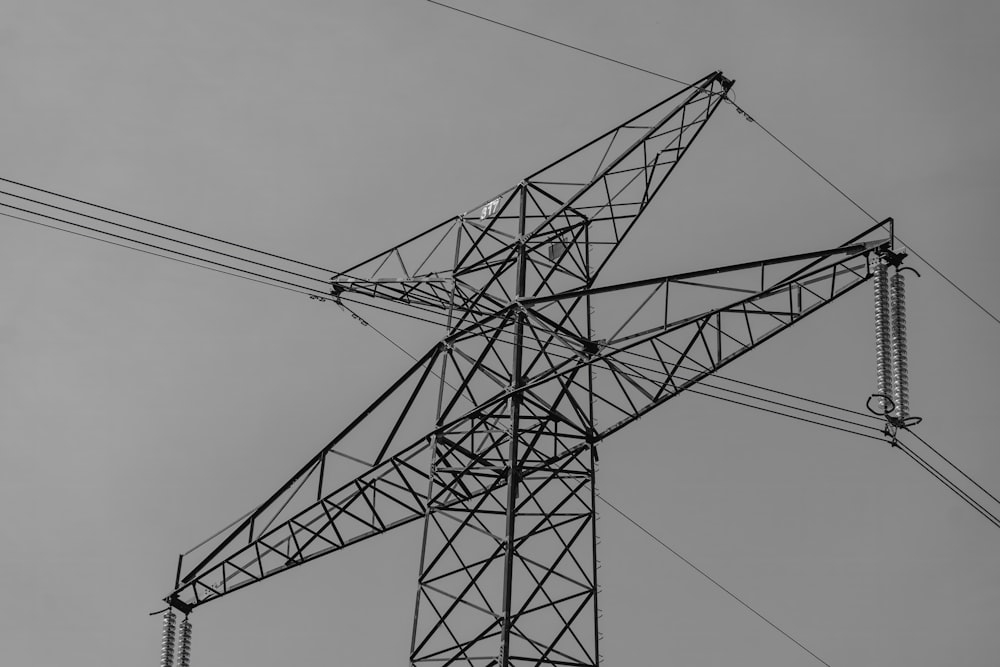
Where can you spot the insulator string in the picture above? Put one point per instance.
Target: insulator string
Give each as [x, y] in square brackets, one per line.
[883, 334]
[900, 371]
[167, 642]
[184, 656]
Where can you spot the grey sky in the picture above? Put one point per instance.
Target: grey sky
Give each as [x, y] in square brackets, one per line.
[145, 404]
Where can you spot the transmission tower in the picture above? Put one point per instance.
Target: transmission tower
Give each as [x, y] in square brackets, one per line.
[491, 437]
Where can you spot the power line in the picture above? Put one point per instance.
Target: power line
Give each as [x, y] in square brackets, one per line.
[937, 474]
[563, 44]
[176, 256]
[779, 403]
[788, 395]
[745, 115]
[789, 416]
[767, 389]
[154, 254]
[883, 437]
[923, 463]
[707, 576]
[954, 488]
[863, 210]
[949, 462]
[161, 248]
[727, 378]
[909, 452]
[949, 280]
[162, 224]
[801, 159]
[148, 233]
[316, 294]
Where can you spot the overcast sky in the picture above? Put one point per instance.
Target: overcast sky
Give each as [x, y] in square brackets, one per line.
[145, 404]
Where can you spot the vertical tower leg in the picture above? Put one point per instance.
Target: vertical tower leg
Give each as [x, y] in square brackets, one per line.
[508, 562]
[526, 597]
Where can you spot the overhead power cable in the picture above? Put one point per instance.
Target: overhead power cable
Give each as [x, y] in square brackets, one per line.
[185, 255]
[207, 258]
[948, 280]
[556, 41]
[795, 412]
[863, 210]
[719, 376]
[788, 415]
[709, 577]
[685, 560]
[289, 286]
[246, 275]
[136, 230]
[162, 224]
[256, 277]
[154, 254]
[954, 488]
[949, 462]
[744, 114]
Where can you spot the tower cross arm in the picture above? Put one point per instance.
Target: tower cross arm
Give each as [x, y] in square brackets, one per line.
[566, 220]
[664, 335]
[376, 475]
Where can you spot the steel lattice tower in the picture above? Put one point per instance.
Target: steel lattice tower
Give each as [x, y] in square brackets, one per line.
[491, 436]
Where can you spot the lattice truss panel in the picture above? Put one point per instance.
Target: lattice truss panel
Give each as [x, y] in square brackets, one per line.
[650, 342]
[490, 436]
[576, 211]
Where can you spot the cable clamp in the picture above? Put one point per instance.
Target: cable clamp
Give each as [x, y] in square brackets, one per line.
[890, 433]
[739, 109]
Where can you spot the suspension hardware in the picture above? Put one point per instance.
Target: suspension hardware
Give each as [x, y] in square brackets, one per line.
[892, 378]
[184, 656]
[883, 335]
[900, 371]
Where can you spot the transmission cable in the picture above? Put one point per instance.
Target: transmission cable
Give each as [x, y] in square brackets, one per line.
[218, 267]
[157, 247]
[954, 488]
[743, 113]
[311, 292]
[949, 280]
[154, 254]
[148, 233]
[862, 209]
[675, 552]
[288, 286]
[300, 289]
[556, 41]
[923, 463]
[946, 459]
[882, 437]
[664, 544]
[707, 576]
[790, 416]
[799, 397]
[163, 224]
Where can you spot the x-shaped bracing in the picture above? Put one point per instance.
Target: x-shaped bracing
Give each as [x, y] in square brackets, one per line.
[491, 436]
